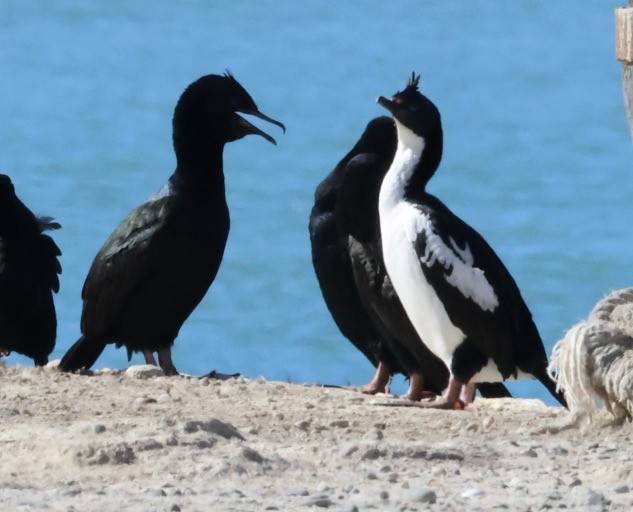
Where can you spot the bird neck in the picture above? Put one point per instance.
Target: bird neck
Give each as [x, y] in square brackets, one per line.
[414, 164]
[201, 164]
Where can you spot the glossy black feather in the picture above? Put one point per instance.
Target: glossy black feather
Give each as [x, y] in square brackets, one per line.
[358, 216]
[160, 261]
[29, 275]
[333, 267]
[507, 334]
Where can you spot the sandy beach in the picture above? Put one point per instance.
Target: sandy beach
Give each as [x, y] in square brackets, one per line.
[121, 440]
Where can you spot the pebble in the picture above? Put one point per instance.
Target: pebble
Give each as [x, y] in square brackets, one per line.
[575, 482]
[303, 425]
[99, 429]
[157, 492]
[323, 487]
[473, 492]
[375, 434]
[350, 450]
[144, 371]
[384, 495]
[252, 455]
[422, 495]
[174, 508]
[595, 498]
[297, 492]
[622, 489]
[371, 454]
[320, 501]
[530, 453]
[339, 423]
[487, 421]
[215, 426]
[149, 444]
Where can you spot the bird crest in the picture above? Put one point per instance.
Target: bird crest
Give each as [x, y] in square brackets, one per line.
[412, 84]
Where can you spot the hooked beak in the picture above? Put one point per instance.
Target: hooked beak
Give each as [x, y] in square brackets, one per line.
[385, 103]
[242, 127]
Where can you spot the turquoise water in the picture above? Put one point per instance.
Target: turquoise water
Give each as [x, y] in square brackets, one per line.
[537, 150]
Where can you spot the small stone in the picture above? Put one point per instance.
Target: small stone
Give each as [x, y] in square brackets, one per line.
[323, 487]
[339, 423]
[158, 492]
[225, 430]
[575, 482]
[303, 425]
[99, 429]
[321, 501]
[559, 450]
[252, 455]
[370, 475]
[174, 508]
[297, 492]
[371, 454]
[171, 441]
[472, 492]
[162, 399]
[422, 495]
[392, 478]
[384, 495]
[73, 490]
[487, 421]
[621, 489]
[149, 444]
[530, 453]
[595, 498]
[350, 450]
[375, 434]
[144, 371]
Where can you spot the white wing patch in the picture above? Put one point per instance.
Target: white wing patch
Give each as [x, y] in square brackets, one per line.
[468, 279]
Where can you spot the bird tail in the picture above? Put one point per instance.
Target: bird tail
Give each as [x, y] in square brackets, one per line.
[83, 354]
[493, 390]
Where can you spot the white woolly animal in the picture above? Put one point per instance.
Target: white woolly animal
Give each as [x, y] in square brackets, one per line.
[594, 361]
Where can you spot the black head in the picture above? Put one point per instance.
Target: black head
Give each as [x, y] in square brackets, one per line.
[379, 137]
[207, 112]
[6, 187]
[412, 109]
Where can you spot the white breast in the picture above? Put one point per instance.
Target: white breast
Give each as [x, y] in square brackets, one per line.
[401, 223]
[424, 308]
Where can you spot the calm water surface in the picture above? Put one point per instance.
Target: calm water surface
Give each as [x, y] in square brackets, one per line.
[537, 151]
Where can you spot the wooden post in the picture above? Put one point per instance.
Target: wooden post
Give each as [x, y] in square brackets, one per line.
[624, 53]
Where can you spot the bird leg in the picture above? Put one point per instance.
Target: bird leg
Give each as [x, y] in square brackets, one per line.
[149, 357]
[380, 382]
[449, 400]
[165, 362]
[416, 390]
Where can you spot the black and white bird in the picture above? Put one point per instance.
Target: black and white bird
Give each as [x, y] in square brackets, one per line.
[358, 219]
[333, 266]
[459, 296]
[160, 261]
[29, 274]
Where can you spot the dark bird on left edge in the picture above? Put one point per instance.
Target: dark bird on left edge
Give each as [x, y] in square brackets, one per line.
[29, 274]
[160, 261]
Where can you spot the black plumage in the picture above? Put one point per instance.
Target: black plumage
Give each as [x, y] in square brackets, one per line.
[333, 268]
[158, 264]
[29, 275]
[482, 329]
[357, 215]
